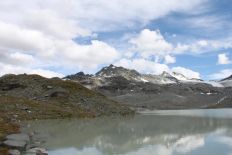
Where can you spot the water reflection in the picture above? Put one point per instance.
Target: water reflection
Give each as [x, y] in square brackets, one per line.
[159, 134]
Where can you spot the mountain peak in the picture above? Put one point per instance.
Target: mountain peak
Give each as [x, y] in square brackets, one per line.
[78, 76]
[113, 71]
[179, 76]
[166, 74]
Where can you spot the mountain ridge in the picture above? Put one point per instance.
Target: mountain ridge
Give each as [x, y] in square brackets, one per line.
[165, 91]
[131, 74]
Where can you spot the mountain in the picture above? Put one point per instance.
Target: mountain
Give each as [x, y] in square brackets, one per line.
[227, 82]
[165, 91]
[112, 71]
[79, 76]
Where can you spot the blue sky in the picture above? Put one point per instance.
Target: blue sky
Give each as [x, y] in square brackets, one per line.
[56, 38]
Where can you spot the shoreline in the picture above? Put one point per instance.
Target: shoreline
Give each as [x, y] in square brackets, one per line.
[9, 128]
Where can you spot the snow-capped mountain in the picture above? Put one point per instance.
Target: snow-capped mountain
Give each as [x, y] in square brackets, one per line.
[113, 71]
[105, 74]
[165, 91]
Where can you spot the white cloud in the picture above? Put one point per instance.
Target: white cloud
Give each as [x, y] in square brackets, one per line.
[221, 74]
[223, 59]
[143, 66]
[21, 57]
[169, 59]
[45, 73]
[127, 13]
[181, 48]
[195, 47]
[32, 49]
[203, 46]
[51, 48]
[150, 67]
[49, 22]
[151, 43]
[43, 36]
[5, 69]
[186, 72]
[208, 22]
[101, 15]
[16, 58]
[88, 56]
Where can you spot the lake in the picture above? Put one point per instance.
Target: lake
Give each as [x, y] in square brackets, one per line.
[168, 132]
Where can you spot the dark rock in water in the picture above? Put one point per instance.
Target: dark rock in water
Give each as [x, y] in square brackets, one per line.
[14, 152]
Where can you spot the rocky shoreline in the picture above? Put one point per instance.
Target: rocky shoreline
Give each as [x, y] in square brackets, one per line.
[22, 143]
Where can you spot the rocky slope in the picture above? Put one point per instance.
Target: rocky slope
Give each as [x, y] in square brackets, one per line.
[165, 91]
[26, 97]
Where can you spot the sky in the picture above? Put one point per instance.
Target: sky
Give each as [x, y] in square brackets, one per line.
[57, 37]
